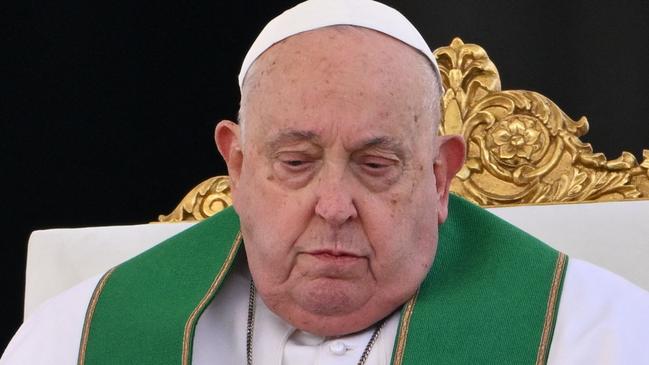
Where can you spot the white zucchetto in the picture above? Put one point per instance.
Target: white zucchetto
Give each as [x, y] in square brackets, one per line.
[314, 14]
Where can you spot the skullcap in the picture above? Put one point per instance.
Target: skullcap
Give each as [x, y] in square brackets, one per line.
[314, 14]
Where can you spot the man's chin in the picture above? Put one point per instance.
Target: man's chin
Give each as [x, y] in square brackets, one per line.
[330, 307]
[331, 297]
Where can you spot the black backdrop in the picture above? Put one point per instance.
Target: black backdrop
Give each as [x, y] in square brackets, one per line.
[108, 108]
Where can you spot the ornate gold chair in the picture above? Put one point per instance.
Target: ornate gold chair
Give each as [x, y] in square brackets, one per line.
[525, 163]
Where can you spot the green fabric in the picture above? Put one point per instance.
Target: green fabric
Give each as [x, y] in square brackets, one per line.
[141, 314]
[484, 300]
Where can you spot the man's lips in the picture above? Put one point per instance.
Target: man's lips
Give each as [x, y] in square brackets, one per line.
[334, 264]
[334, 255]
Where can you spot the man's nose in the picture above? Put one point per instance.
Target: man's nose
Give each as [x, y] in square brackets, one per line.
[335, 204]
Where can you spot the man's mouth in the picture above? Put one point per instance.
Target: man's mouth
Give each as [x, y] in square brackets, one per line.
[334, 264]
[334, 255]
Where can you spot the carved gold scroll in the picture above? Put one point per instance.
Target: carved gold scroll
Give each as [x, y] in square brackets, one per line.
[206, 199]
[521, 148]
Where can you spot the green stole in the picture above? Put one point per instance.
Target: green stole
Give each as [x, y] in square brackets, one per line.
[490, 298]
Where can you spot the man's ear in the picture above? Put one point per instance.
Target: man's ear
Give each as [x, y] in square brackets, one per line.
[228, 140]
[450, 158]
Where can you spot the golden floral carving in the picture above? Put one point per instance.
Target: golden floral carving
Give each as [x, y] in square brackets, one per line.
[521, 148]
[516, 138]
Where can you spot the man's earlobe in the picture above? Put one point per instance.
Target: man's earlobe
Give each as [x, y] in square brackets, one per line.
[450, 159]
[228, 141]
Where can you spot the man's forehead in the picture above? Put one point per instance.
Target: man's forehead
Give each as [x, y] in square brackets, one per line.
[343, 44]
[342, 47]
[355, 58]
[340, 74]
[327, 37]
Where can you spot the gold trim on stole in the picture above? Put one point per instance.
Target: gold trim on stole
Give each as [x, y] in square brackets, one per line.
[402, 336]
[548, 324]
[90, 312]
[191, 321]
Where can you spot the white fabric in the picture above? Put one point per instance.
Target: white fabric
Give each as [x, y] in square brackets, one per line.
[314, 14]
[602, 319]
[58, 259]
[53, 333]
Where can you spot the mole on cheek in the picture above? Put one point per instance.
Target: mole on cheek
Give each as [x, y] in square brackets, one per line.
[270, 177]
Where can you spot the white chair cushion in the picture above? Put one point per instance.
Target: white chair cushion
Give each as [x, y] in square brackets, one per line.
[57, 259]
[613, 235]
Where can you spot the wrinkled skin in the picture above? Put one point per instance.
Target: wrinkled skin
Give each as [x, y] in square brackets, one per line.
[338, 176]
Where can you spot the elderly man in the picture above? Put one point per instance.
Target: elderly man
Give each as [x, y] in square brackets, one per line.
[340, 183]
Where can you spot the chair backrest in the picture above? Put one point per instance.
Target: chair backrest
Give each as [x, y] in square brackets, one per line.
[57, 259]
[525, 162]
[613, 235]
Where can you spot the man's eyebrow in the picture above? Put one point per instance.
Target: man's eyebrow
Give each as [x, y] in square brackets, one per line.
[292, 136]
[383, 142]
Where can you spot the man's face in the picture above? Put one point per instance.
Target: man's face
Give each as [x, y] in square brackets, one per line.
[334, 177]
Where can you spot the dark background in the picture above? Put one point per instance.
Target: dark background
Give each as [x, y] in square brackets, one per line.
[108, 108]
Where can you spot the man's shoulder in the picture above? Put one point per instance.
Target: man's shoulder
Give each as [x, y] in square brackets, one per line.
[593, 293]
[52, 334]
[602, 318]
[589, 281]
[211, 234]
[473, 232]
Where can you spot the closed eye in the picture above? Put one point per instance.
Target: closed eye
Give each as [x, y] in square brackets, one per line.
[375, 165]
[294, 163]
[378, 165]
[296, 166]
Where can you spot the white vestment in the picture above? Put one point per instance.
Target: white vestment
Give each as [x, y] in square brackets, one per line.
[602, 319]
